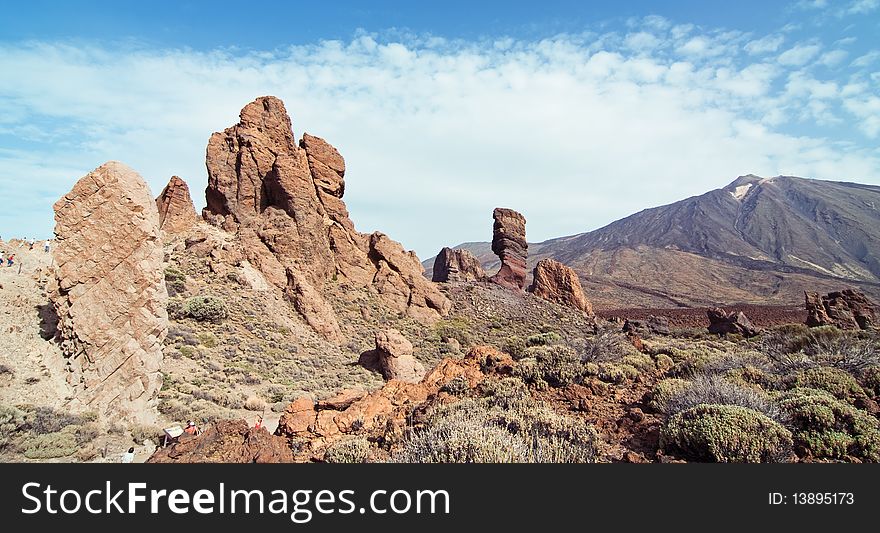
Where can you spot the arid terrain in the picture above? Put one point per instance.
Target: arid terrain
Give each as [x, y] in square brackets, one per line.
[146, 315]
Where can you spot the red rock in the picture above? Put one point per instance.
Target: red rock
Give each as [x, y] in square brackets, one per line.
[109, 291]
[509, 244]
[558, 283]
[457, 265]
[723, 322]
[847, 309]
[227, 441]
[176, 211]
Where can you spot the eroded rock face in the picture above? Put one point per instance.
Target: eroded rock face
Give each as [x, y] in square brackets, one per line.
[284, 201]
[724, 322]
[509, 244]
[396, 357]
[558, 283]
[847, 309]
[176, 211]
[457, 265]
[109, 290]
[226, 441]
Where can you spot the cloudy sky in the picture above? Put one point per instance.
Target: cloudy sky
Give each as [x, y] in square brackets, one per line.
[574, 113]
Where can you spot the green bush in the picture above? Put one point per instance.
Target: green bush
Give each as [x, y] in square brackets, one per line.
[664, 391]
[544, 339]
[515, 347]
[556, 365]
[725, 434]
[205, 308]
[840, 384]
[351, 450]
[826, 427]
[716, 390]
[175, 281]
[454, 328]
[871, 380]
[50, 445]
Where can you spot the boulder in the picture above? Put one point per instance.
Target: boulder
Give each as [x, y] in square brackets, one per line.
[725, 322]
[509, 244]
[656, 325]
[109, 291]
[227, 441]
[176, 211]
[395, 356]
[457, 265]
[847, 309]
[284, 201]
[558, 283]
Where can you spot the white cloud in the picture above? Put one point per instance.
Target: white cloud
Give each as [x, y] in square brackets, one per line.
[866, 59]
[765, 45]
[861, 7]
[799, 55]
[833, 58]
[574, 132]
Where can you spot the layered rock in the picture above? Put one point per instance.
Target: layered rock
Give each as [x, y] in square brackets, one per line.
[176, 211]
[558, 283]
[457, 265]
[847, 309]
[382, 415]
[509, 244]
[109, 290]
[284, 201]
[726, 322]
[227, 441]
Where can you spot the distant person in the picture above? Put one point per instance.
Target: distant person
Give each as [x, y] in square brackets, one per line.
[128, 456]
[259, 423]
[191, 428]
[31, 242]
[10, 260]
[46, 247]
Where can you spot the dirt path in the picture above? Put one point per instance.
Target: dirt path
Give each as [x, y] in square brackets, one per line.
[35, 365]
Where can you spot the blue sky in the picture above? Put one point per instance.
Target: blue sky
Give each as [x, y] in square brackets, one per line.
[575, 113]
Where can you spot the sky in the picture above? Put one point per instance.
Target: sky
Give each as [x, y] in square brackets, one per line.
[574, 113]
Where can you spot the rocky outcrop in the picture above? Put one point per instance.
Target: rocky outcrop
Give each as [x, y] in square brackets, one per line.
[109, 290]
[847, 309]
[558, 283]
[396, 357]
[226, 441]
[284, 201]
[176, 211]
[724, 322]
[382, 415]
[654, 325]
[457, 265]
[509, 244]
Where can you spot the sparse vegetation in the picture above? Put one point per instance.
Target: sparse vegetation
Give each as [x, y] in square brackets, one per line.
[205, 309]
[349, 450]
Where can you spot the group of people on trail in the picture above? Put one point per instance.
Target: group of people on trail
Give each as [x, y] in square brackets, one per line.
[8, 260]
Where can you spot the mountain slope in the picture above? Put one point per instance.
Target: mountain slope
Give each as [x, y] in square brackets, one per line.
[757, 240]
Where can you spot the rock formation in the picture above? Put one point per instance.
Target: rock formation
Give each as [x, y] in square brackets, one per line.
[109, 290]
[457, 265]
[382, 415]
[509, 244]
[284, 200]
[176, 212]
[847, 309]
[558, 283]
[396, 357]
[226, 441]
[724, 322]
[656, 325]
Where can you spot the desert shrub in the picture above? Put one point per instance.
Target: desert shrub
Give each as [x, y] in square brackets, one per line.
[457, 386]
[833, 380]
[141, 433]
[175, 309]
[821, 346]
[45, 420]
[506, 393]
[208, 340]
[255, 404]
[350, 450]
[606, 347]
[664, 391]
[12, 419]
[175, 281]
[205, 308]
[454, 328]
[556, 365]
[716, 390]
[189, 352]
[725, 434]
[826, 427]
[50, 445]
[482, 431]
[871, 380]
[544, 339]
[86, 433]
[515, 346]
[616, 372]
